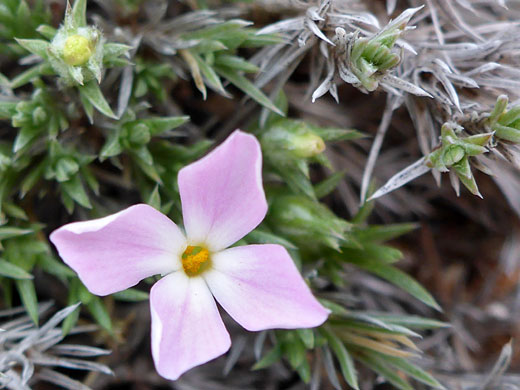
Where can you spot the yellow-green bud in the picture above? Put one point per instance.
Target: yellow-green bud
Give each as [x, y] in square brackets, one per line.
[307, 145]
[76, 50]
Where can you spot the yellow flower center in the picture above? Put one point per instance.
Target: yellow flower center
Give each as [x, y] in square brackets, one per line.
[77, 50]
[195, 260]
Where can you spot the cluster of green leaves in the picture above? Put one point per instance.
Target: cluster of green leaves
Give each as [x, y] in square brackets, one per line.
[371, 58]
[149, 76]
[455, 152]
[17, 19]
[215, 57]
[505, 122]
[77, 53]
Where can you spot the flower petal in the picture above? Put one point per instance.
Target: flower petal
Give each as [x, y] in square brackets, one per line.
[222, 194]
[114, 253]
[261, 288]
[187, 329]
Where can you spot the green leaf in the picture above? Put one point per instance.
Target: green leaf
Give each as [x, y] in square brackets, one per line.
[269, 358]
[381, 233]
[35, 46]
[32, 178]
[508, 133]
[247, 87]
[25, 136]
[88, 107]
[262, 40]
[47, 31]
[12, 271]
[499, 108]
[90, 179]
[307, 337]
[30, 74]
[112, 146]
[333, 134]
[54, 267]
[160, 125]
[73, 298]
[512, 115]
[345, 360]
[14, 211]
[28, 296]
[79, 13]
[373, 362]
[397, 277]
[218, 30]
[10, 232]
[295, 173]
[92, 93]
[210, 75]
[374, 252]
[263, 237]
[304, 370]
[295, 352]
[131, 295]
[328, 185]
[74, 188]
[154, 199]
[414, 322]
[411, 370]
[235, 62]
[114, 50]
[148, 169]
[7, 291]
[7, 109]
[98, 310]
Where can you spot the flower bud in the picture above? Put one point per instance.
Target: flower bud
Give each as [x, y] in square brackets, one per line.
[76, 55]
[292, 136]
[76, 50]
[306, 221]
[135, 135]
[453, 154]
[308, 145]
[140, 134]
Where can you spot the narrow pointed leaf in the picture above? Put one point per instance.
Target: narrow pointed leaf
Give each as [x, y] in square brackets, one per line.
[247, 87]
[11, 270]
[345, 360]
[397, 277]
[92, 93]
[28, 297]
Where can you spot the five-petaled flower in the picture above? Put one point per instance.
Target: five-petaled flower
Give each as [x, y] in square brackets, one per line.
[222, 200]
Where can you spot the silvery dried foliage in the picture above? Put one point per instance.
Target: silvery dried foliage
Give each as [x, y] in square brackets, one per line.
[427, 58]
[30, 354]
[465, 62]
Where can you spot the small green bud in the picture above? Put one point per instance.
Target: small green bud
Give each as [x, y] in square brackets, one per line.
[39, 116]
[135, 135]
[292, 136]
[453, 154]
[306, 222]
[307, 145]
[77, 50]
[140, 134]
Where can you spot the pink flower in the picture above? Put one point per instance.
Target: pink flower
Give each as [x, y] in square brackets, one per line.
[222, 200]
